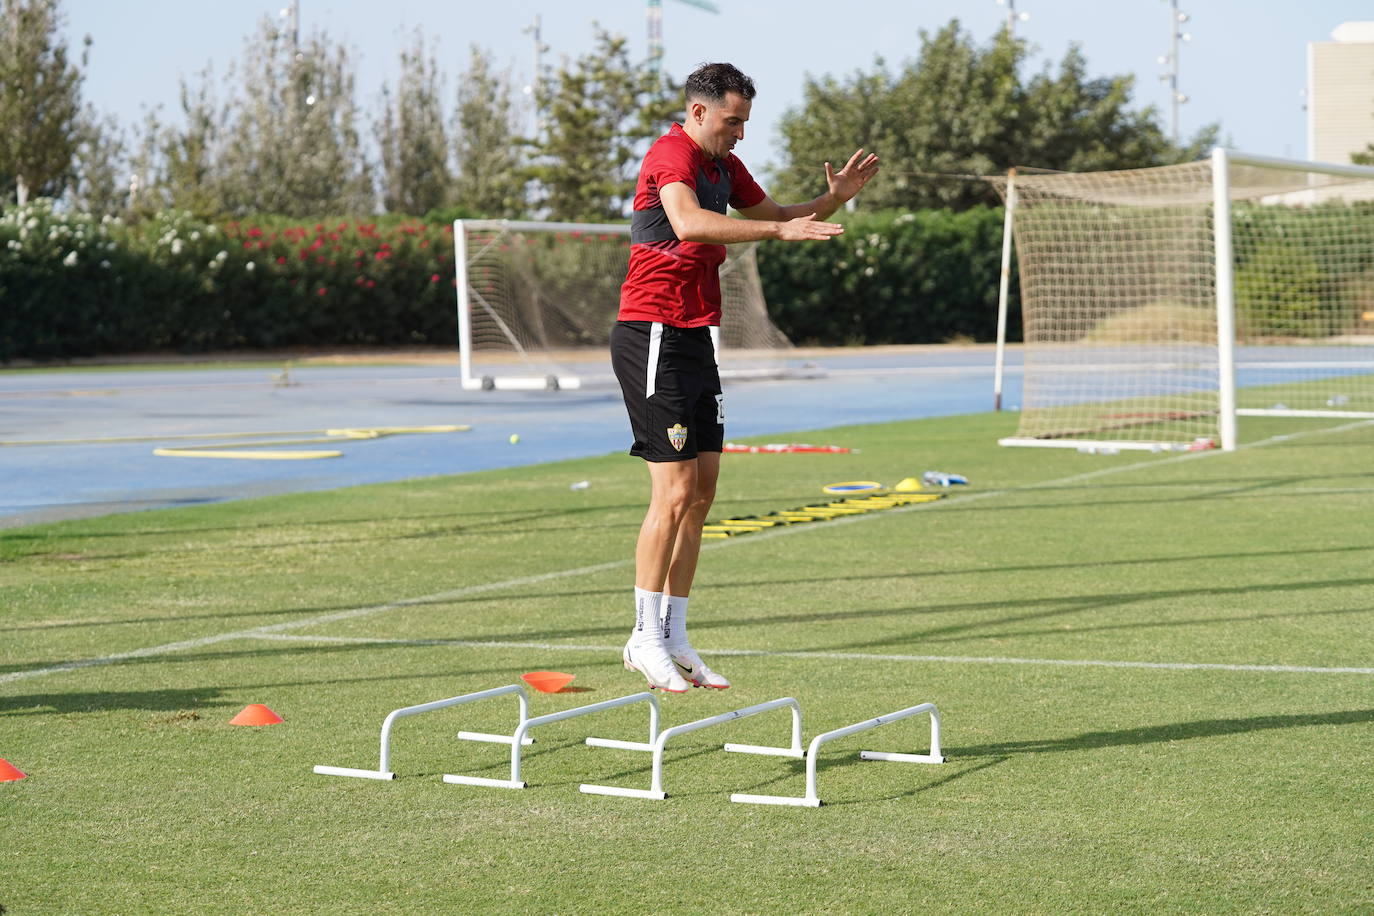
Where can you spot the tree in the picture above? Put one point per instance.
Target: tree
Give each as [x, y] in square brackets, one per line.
[188, 174]
[40, 100]
[959, 110]
[295, 148]
[597, 114]
[487, 145]
[1076, 124]
[99, 168]
[414, 145]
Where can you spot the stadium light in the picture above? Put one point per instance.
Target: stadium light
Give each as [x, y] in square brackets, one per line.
[1013, 16]
[293, 14]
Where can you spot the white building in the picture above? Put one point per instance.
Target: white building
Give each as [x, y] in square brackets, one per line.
[1340, 93]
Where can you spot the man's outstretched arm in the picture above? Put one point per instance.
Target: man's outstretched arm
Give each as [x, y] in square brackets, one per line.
[841, 187]
[693, 223]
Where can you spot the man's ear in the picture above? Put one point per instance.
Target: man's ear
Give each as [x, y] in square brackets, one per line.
[697, 112]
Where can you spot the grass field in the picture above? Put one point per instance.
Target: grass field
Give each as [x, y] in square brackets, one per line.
[1155, 674]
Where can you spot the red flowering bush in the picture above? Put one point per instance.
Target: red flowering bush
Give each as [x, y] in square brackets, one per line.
[344, 282]
[75, 286]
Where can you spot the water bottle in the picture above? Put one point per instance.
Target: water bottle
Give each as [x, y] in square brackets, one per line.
[580, 485]
[941, 479]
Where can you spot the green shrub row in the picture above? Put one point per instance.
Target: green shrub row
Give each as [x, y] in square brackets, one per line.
[72, 285]
[1303, 271]
[928, 276]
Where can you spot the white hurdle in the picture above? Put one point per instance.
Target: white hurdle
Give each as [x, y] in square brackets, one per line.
[520, 738]
[383, 770]
[656, 790]
[812, 799]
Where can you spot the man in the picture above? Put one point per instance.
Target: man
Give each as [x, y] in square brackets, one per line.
[662, 350]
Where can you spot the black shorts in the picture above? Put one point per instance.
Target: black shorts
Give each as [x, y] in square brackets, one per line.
[671, 386]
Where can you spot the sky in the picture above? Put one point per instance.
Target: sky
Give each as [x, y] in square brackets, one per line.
[1245, 66]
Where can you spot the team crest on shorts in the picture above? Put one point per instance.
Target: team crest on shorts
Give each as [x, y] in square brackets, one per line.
[677, 436]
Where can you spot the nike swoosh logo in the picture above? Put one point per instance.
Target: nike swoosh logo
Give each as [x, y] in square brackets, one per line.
[685, 669]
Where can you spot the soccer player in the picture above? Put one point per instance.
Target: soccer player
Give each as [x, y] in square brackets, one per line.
[663, 350]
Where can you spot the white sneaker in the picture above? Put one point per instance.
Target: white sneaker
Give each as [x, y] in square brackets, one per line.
[652, 661]
[690, 665]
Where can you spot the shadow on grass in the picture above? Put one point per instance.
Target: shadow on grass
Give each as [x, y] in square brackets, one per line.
[444, 524]
[679, 753]
[1158, 734]
[947, 772]
[1049, 608]
[496, 522]
[914, 790]
[507, 522]
[42, 704]
[1058, 605]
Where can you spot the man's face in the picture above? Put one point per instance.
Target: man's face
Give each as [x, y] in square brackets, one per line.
[719, 125]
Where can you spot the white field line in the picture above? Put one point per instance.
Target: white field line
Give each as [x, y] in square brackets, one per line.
[833, 656]
[354, 613]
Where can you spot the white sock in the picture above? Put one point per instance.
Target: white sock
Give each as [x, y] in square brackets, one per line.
[674, 620]
[647, 605]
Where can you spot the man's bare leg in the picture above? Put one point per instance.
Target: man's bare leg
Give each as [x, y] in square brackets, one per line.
[672, 487]
[673, 491]
[682, 570]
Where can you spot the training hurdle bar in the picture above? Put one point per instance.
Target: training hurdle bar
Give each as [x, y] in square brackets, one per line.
[383, 770]
[812, 799]
[521, 731]
[656, 790]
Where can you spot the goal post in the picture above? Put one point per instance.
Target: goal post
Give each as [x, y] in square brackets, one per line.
[1160, 304]
[536, 302]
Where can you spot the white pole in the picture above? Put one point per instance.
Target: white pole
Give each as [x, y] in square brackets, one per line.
[524, 727]
[812, 799]
[1003, 287]
[460, 266]
[383, 770]
[1226, 303]
[656, 790]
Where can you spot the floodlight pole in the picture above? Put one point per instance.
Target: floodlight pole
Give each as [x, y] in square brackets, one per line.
[1170, 75]
[1013, 17]
[293, 13]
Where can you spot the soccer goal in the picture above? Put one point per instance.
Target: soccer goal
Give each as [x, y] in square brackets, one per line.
[536, 302]
[1159, 304]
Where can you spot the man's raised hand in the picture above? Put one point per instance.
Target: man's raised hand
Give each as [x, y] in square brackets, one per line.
[807, 229]
[849, 180]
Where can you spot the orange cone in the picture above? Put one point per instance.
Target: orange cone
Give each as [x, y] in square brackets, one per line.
[9, 772]
[547, 681]
[256, 714]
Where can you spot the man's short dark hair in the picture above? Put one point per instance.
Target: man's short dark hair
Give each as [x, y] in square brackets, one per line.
[710, 83]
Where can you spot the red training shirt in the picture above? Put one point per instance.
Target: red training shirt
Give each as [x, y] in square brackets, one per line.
[669, 280]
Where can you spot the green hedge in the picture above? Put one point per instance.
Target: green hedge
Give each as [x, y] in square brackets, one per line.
[891, 278]
[1303, 271]
[72, 285]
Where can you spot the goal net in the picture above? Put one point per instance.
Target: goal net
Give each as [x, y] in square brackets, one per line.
[536, 303]
[1160, 304]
